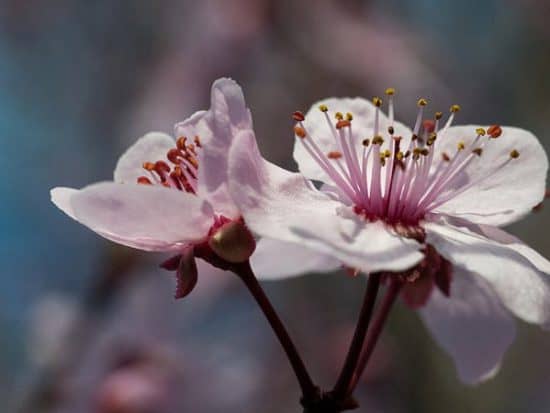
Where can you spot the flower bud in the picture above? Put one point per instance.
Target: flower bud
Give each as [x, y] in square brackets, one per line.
[233, 242]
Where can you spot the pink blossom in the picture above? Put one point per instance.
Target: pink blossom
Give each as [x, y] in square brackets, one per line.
[392, 198]
[171, 195]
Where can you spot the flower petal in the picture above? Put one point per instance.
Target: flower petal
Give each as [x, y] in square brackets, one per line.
[471, 325]
[61, 197]
[521, 287]
[216, 129]
[142, 216]
[274, 260]
[504, 196]
[281, 205]
[149, 148]
[363, 112]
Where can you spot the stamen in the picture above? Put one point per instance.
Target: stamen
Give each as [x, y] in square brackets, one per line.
[494, 131]
[298, 116]
[144, 180]
[300, 132]
[415, 181]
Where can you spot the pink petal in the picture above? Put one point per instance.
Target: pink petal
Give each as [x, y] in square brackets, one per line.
[274, 260]
[471, 325]
[521, 287]
[149, 148]
[363, 112]
[500, 197]
[284, 206]
[140, 216]
[216, 128]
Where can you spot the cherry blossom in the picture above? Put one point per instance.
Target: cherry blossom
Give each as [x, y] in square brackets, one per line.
[171, 195]
[423, 204]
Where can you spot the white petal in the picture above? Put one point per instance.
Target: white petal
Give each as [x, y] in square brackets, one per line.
[362, 126]
[216, 128]
[227, 116]
[61, 197]
[521, 287]
[502, 237]
[273, 260]
[471, 325]
[149, 148]
[142, 216]
[281, 205]
[507, 195]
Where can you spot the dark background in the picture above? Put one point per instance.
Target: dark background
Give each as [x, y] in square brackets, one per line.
[85, 323]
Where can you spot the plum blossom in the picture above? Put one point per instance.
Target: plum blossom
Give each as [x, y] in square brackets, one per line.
[171, 195]
[422, 204]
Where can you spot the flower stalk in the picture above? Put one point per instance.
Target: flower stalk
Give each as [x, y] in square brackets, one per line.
[310, 392]
[339, 391]
[374, 332]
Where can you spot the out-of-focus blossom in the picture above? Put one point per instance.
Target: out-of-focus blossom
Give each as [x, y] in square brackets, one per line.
[161, 200]
[392, 198]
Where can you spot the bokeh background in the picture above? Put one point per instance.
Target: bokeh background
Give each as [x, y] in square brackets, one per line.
[88, 326]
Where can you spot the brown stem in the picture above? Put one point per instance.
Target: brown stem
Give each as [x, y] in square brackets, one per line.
[374, 332]
[310, 391]
[339, 391]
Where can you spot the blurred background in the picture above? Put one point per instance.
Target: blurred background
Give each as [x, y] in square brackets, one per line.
[88, 326]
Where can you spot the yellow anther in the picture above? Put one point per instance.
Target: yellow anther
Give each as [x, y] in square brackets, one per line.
[366, 142]
[480, 131]
[323, 108]
[438, 115]
[399, 156]
[387, 153]
[431, 138]
[382, 159]
[422, 102]
[339, 116]
[478, 151]
[455, 108]
[461, 145]
[376, 101]
[300, 132]
[377, 140]
[390, 91]
[349, 116]
[424, 151]
[514, 154]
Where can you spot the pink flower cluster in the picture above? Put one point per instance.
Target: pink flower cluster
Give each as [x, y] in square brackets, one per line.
[424, 204]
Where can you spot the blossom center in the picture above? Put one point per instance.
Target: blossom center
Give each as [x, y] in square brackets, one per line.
[181, 170]
[386, 177]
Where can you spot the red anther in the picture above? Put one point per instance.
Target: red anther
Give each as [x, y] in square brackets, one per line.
[144, 180]
[181, 143]
[334, 155]
[191, 148]
[494, 131]
[298, 116]
[162, 168]
[174, 155]
[342, 124]
[176, 180]
[300, 132]
[191, 172]
[429, 125]
[166, 184]
[197, 141]
[445, 157]
[149, 166]
[192, 160]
